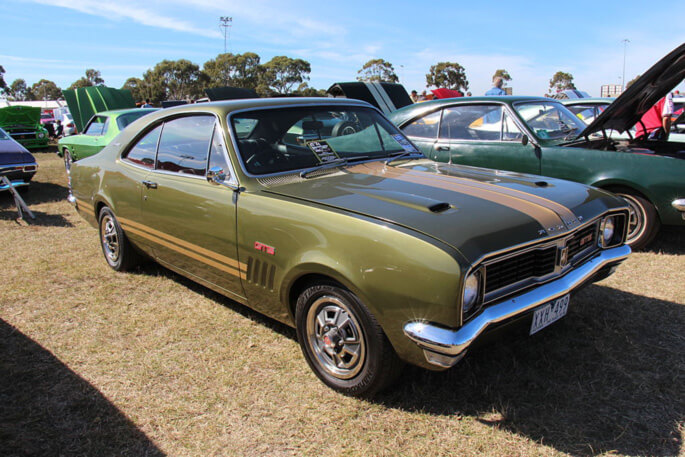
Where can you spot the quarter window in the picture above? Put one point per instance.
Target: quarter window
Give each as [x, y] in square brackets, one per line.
[143, 153]
[217, 156]
[184, 145]
[510, 131]
[472, 122]
[425, 127]
[97, 126]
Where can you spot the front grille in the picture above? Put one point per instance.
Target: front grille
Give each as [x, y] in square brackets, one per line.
[530, 264]
[582, 240]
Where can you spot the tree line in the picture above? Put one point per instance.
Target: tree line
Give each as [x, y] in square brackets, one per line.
[282, 75]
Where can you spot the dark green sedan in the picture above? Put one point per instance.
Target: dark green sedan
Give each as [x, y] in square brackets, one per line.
[541, 136]
[321, 214]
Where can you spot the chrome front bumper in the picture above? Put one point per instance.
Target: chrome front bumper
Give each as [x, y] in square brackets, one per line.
[444, 347]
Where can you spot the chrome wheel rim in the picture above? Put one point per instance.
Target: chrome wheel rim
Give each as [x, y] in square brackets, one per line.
[335, 337]
[637, 218]
[110, 238]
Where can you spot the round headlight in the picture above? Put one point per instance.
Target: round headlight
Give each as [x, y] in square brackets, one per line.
[608, 228]
[41, 135]
[470, 292]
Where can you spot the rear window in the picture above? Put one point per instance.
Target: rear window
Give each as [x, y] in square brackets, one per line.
[124, 120]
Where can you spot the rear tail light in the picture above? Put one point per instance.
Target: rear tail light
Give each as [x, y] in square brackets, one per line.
[30, 167]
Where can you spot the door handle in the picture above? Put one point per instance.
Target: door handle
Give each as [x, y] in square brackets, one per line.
[150, 184]
[442, 148]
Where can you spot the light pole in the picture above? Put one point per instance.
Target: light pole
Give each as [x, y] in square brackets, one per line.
[623, 78]
[225, 23]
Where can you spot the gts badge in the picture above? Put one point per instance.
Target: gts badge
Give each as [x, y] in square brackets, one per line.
[264, 248]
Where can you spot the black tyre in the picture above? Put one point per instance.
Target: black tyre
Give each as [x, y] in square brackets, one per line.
[643, 223]
[118, 252]
[343, 343]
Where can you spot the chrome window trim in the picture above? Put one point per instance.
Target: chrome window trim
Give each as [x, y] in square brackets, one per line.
[160, 122]
[14, 165]
[360, 104]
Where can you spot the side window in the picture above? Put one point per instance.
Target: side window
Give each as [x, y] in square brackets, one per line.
[97, 126]
[510, 131]
[184, 145]
[217, 154]
[143, 153]
[425, 127]
[472, 122]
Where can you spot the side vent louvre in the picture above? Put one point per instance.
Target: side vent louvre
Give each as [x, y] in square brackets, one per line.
[260, 273]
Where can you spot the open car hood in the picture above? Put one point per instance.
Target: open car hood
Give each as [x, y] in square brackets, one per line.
[634, 102]
[86, 101]
[387, 97]
[19, 115]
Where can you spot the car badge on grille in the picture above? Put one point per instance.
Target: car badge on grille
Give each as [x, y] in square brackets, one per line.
[585, 240]
[563, 256]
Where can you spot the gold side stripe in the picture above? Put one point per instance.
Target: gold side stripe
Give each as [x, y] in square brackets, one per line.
[199, 249]
[85, 207]
[192, 255]
[545, 216]
[565, 213]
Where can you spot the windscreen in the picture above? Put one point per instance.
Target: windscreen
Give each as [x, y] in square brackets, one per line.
[289, 139]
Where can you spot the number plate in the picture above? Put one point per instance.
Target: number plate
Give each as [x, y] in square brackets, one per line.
[551, 312]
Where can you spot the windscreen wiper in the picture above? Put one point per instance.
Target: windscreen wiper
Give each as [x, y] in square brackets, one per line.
[402, 155]
[322, 166]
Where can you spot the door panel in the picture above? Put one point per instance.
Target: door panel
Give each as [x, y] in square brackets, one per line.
[193, 225]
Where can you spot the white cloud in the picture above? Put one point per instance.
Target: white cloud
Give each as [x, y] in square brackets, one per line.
[133, 11]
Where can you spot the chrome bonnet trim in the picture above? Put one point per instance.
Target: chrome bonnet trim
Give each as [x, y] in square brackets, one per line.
[454, 343]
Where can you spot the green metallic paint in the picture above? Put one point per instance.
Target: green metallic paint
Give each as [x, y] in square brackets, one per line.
[372, 234]
[658, 177]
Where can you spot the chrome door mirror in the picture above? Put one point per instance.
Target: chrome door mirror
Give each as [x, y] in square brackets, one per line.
[216, 175]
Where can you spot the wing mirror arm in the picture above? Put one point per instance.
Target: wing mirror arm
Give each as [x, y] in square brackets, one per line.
[217, 175]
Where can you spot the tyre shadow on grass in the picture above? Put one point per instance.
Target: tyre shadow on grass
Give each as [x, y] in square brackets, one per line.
[47, 409]
[609, 377]
[670, 240]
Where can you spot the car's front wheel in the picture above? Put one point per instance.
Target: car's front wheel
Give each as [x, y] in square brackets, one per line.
[119, 253]
[343, 343]
[643, 223]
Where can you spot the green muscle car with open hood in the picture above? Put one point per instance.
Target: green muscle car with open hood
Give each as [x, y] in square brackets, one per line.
[22, 123]
[541, 136]
[321, 214]
[100, 113]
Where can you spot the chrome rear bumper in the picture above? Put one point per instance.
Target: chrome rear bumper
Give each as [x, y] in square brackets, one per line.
[444, 347]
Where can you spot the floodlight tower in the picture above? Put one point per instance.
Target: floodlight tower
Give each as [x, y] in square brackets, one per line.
[623, 79]
[225, 23]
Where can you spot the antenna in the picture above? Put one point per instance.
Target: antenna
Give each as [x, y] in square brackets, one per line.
[225, 23]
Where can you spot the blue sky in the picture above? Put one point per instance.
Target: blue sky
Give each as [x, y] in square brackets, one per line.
[59, 39]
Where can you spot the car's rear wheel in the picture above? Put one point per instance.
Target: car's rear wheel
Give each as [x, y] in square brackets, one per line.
[67, 160]
[343, 343]
[119, 253]
[643, 221]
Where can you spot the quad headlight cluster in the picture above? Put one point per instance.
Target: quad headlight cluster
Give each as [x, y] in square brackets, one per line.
[612, 230]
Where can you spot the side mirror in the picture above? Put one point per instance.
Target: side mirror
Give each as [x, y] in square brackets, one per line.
[524, 140]
[216, 175]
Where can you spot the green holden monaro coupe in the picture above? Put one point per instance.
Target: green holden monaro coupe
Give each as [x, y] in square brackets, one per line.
[321, 214]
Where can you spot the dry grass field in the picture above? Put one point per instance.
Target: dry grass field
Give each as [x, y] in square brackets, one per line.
[94, 362]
